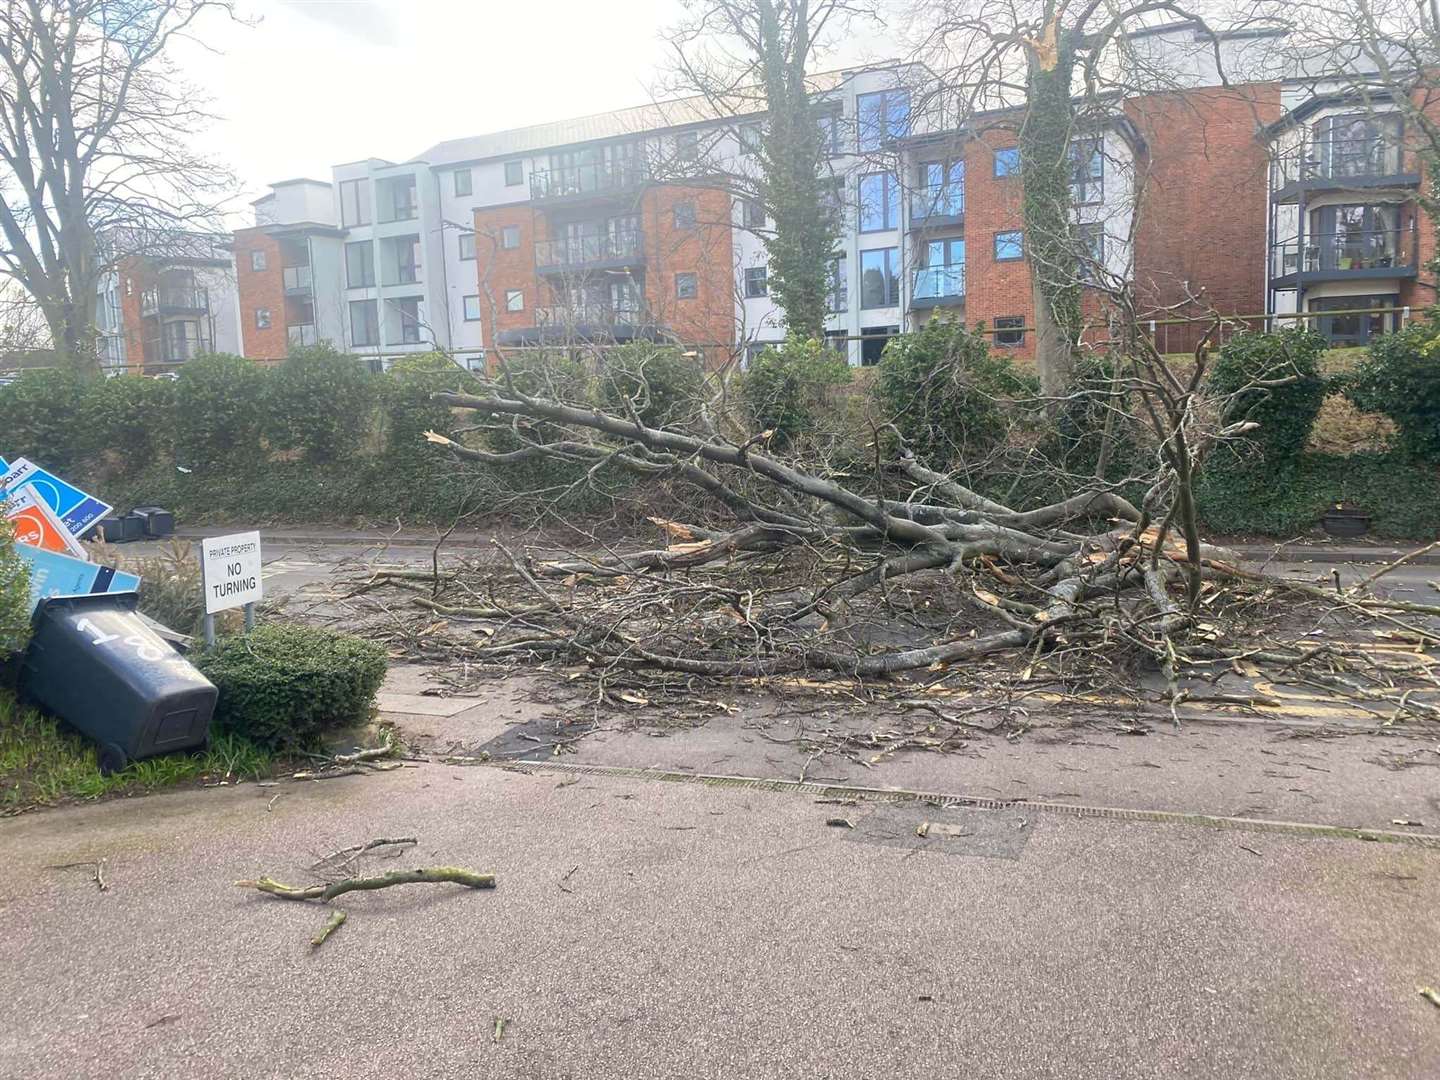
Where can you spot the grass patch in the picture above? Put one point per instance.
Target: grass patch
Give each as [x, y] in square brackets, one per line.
[42, 762]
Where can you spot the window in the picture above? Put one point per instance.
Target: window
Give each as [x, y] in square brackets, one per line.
[360, 265]
[879, 280]
[1009, 331]
[467, 247]
[397, 199]
[752, 135]
[1091, 242]
[832, 195]
[883, 117]
[1087, 171]
[510, 237]
[832, 122]
[756, 283]
[753, 213]
[1007, 161]
[687, 286]
[514, 173]
[262, 318]
[1009, 246]
[941, 189]
[257, 261]
[687, 145]
[462, 182]
[354, 202]
[873, 340]
[409, 312]
[401, 260]
[879, 202]
[514, 300]
[1357, 328]
[472, 308]
[685, 215]
[838, 294]
[942, 271]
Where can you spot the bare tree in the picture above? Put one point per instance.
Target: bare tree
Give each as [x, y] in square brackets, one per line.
[94, 124]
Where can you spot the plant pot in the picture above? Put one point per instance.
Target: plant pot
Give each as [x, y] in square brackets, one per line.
[1345, 522]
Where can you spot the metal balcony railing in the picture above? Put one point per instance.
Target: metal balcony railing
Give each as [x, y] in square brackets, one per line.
[302, 334]
[938, 201]
[581, 315]
[177, 352]
[601, 178]
[1370, 250]
[173, 300]
[1338, 160]
[582, 251]
[298, 279]
[938, 283]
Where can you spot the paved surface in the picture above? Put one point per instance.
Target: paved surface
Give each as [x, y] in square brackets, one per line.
[706, 933]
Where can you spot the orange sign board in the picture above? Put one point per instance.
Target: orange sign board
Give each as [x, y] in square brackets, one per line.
[34, 523]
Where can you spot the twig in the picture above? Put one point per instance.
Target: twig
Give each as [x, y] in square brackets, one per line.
[336, 920]
[1363, 584]
[326, 893]
[350, 854]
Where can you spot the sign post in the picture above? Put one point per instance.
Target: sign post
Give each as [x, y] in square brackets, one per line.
[230, 570]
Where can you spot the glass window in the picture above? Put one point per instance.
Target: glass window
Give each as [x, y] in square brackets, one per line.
[879, 281]
[1356, 321]
[397, 199]
[472, 309]
[409, 309]
[839, 284]
[753, 213]
[1087, 171]
[360, 265]
[1009, 245]
[873, 340]
[1007, 161]
[756, 282]
[831, 121]
[832, 195]
[1091, 241]
[262, 318]
[514, 173]
[942, 189]
[685, 215]
[257, 261]
[879, 202]
[1009, 331]
[686, 286]
[364, 323]
[401, 255]
[354, 202]
[462, 182]
[467, 246]
[510, 237]
[883, 117]
[752, 135]
[687, 145]
[514, 300]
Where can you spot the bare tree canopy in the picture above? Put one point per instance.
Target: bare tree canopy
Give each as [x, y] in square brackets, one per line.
[94, 128]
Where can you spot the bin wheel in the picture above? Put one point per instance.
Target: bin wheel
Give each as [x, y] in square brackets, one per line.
[112, 759]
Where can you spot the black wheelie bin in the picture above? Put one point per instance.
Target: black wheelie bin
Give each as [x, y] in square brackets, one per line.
[94, 663]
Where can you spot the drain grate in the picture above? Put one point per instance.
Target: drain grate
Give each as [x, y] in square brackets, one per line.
[1113, 813]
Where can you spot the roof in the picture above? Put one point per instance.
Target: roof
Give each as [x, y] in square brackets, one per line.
[678, 112]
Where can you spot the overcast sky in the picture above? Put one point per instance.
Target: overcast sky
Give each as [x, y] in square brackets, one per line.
[318, 82]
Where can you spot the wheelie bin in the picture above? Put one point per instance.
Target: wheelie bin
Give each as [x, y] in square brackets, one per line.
[93, 663]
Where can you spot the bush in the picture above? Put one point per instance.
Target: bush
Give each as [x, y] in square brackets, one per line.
[283, 686]
[1285, 413]
[946, 393]
[14, 596]
[128, 419]
[219, 414]
[40, 418]
[409, 412]
[1400, 377]
[318, 402]
[786, 389]
[663, 384]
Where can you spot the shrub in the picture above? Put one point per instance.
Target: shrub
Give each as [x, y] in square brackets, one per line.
[786, 389]
[40, 418]
[409, 412]
[663, 384]
[946, 393]
[284, 685]
[1285, 413]
[14, 596]
[1400, 377]
[1076, 433]
[319, 402]
[219, 413]
[128, 417]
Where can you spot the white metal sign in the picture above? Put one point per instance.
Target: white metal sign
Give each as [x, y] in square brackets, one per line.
[231, 569]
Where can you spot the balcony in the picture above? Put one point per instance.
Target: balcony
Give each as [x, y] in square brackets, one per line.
[1351, 256]
[1343, 164]
[302, 335]
[613, 251]
[299, 281]
[177, 352]
[580, 322]
[578, 182]
[174, 301]
[937, 286]
[943, 204]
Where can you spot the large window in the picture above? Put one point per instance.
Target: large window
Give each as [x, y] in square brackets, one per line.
[1355, 321]
[838, 294]
[354, 202]
[832, 122]
[364, 323]
[753, 213]
[1357, 145]
[1009, 245]
[462, 182]
[879, 202]
[879, 278]
[1355, 236]
[1087, 171]
[408, 311]
[1091, 241]
[873, 340]
[360, 265]
[397, 198]
[942, 189]
[752, 137]
[401, 260]
[883, 117]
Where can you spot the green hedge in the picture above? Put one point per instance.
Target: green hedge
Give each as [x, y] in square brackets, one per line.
[14, 597]
[283, 686]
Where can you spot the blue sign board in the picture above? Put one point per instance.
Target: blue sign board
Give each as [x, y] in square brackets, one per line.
[52, 574]
[77, 509]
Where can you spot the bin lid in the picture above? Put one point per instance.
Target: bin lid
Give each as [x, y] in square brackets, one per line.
[123, 601]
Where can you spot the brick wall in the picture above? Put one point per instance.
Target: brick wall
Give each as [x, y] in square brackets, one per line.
[993, 204]
[707, 251]
[261, 289]
[135, 277]
[499, 269]
[1420, 292]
